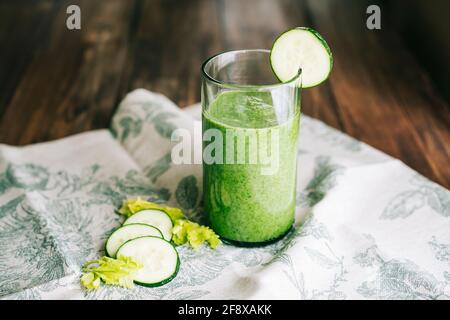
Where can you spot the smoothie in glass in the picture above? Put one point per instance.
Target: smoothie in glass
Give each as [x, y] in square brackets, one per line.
[245, 203]
[254, 95]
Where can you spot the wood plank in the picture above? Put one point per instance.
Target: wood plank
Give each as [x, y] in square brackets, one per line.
[22, 33]
[71, 83]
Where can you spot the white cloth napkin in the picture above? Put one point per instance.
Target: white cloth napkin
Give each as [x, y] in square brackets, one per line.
[368, 227]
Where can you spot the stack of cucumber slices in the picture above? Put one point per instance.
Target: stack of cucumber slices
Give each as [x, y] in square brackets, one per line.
[145, 237]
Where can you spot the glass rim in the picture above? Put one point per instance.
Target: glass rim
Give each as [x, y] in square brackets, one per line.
[246, 86]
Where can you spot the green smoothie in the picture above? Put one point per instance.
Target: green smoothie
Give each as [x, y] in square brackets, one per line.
[243, 201]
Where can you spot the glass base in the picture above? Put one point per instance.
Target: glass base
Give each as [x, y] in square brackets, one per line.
[245, 244]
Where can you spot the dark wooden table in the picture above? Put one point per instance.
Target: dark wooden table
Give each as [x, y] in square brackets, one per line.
[55, 82]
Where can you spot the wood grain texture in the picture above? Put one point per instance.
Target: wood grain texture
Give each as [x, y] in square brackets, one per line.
[55, 82]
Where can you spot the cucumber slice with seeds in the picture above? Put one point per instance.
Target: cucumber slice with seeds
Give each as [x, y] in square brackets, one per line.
[128, 232]
[159, 258]
[301, 48]
[153, 217]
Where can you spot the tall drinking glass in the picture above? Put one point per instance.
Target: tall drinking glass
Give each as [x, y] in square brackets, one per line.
[250, 131]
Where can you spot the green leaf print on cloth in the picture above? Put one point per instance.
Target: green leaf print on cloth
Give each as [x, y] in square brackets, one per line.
[324, 179]
[28, 176]
[130, 122]
[397, 278]
[442, 254]
[33, 253]
[187, 192]
[159, 168]
[423, 193]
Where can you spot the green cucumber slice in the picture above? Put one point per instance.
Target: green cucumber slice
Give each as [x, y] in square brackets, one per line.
[301, 48]
[128, 232]
[159, 258]
[153, 217]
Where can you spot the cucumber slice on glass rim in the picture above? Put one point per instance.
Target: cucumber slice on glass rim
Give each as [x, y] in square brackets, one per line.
[159, 259]
[301, 48]
[153, 217]
[128, 232]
